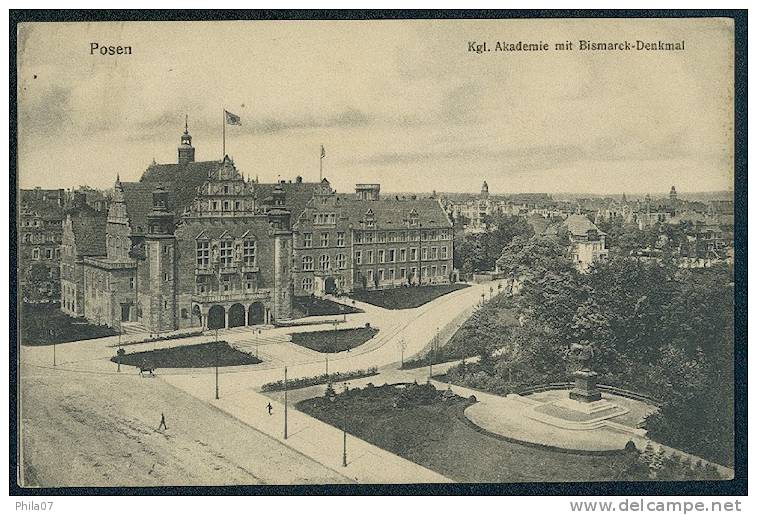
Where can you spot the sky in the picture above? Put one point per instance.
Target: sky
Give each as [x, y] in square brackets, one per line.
[402, 103]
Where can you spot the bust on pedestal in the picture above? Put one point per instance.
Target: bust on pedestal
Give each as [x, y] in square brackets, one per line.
[585, 388]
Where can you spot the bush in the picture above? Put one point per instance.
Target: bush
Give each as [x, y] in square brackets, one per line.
[304, 382]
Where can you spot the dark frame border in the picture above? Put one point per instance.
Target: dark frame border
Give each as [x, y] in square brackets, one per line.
[737, 486]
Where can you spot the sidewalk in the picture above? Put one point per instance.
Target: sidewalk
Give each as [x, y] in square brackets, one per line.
[317, 440]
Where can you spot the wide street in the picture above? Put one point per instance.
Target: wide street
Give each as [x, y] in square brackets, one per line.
[88, 363]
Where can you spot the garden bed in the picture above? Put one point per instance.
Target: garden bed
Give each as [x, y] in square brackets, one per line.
[316, 306]
[429, 428]
[331, 341]
[405, 297]
[202, 355]
[46, 324]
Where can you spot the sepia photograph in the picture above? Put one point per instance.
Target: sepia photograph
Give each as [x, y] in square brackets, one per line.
[349, 251]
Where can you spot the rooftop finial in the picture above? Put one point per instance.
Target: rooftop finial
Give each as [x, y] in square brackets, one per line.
[186, 124]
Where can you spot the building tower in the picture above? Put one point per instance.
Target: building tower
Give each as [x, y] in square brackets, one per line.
[186, 150]
[673, 195]
[484, 191]
[283, 288]
[160, 246]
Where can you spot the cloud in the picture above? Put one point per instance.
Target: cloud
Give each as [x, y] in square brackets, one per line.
[532, 157]
[348, 118]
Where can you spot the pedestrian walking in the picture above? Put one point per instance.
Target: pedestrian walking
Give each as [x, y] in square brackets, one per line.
[162, 422]
[270, 409]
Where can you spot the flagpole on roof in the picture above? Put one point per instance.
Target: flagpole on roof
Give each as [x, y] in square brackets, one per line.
[223, 155]
[323, 154]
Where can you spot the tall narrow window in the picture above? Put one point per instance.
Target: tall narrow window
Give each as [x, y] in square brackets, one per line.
[324, 262]
[203, 254]
[226, 253]
[248, 254]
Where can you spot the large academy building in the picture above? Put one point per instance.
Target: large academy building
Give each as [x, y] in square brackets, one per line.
[195, 244]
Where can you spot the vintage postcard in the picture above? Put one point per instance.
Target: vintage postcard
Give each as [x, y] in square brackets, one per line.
[377, 252]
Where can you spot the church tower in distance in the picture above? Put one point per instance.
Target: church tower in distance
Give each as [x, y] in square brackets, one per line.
[186, 150]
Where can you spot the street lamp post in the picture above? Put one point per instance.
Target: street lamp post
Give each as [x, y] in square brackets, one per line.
[286, 405]
[216, 363]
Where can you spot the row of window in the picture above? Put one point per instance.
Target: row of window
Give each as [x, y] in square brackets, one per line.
[400, 236]
[391, 274]
[324, 262]
[400, 255]
[40, 223]
[226, 253]
[42, 238]
[307, 239]
[226, 205]
[48, 254]
[226, 285]
[324, 218]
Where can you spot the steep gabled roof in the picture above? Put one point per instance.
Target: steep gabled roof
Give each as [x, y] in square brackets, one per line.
[580, 225]
[89, 226]
[297, 194]
[138, 199]
[181, 180]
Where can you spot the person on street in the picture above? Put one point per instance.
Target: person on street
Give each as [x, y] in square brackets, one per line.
[270, 409]
[162, 422]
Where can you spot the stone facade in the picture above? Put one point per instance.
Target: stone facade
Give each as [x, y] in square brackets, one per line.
[40, 233]
[192, 244]
[195, 244]
[83, 236]
[348, 242]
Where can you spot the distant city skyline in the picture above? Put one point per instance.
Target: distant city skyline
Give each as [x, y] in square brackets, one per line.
[402, 104]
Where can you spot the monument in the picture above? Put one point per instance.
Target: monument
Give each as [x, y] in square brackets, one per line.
[585, 388]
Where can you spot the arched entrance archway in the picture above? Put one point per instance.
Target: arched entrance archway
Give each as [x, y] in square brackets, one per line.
[216, 317]
[329, 286]
[236, 315]
[256, 315]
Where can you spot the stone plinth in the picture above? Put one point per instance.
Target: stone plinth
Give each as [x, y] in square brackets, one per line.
[585, 389]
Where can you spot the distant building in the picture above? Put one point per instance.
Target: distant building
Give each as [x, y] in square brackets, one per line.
[40, 231]
[587, 241]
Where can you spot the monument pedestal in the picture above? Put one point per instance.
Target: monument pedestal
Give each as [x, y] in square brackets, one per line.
[585, 389]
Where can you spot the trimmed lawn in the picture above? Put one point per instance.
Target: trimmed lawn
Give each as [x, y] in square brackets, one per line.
[405, 297]
[435, 434]
[201, 355]
[316, 306]
[327, 341]
[38, 319]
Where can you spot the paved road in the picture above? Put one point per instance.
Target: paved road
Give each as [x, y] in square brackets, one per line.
[313, 440]
[93, 429]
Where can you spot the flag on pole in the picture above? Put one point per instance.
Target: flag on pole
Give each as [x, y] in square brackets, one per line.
[232, 119]
[323, 152]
